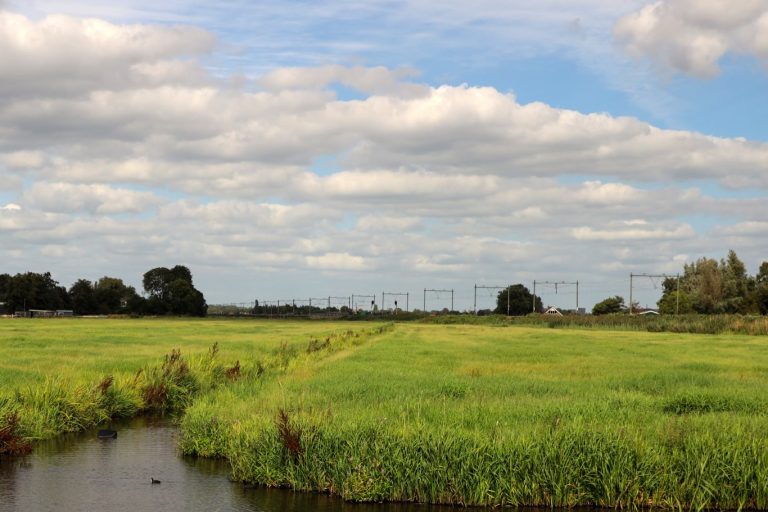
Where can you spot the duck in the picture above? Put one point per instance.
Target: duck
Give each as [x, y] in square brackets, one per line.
[154, 480]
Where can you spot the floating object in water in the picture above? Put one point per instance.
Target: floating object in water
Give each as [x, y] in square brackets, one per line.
[154, 481]
[106, 434]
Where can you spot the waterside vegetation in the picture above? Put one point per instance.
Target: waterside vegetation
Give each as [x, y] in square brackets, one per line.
[458, 414]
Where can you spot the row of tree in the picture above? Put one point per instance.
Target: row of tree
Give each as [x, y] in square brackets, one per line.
[167, 292]
[706, 286]
[709, 286]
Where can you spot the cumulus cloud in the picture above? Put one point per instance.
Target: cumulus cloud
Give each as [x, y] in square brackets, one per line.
[635, 230]
[97, 199]
[691, 36]
[74, 55]
[128, 151]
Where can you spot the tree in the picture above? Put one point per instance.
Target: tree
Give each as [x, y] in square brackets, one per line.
[520, 301]
[610, 305]
[715, 287]
[669, 305]
[171, 291]
[82, 298]
[762, 274]
[35, 291]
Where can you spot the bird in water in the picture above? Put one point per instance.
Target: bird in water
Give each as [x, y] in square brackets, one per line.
[154, 480]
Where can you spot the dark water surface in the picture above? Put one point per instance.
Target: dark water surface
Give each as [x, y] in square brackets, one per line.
[83, 473]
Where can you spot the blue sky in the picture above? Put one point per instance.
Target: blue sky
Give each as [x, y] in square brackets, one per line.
[321, 148]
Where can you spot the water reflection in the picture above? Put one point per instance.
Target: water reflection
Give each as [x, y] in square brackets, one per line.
[83, 473]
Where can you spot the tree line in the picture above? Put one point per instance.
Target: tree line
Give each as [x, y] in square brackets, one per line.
[167, 292]
[707, 286]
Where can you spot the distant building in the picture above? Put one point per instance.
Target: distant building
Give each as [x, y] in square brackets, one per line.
[553, 311]
[648, 312]
[41, 313]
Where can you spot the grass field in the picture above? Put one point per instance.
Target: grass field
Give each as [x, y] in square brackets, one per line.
[66, 375]
[448, 413]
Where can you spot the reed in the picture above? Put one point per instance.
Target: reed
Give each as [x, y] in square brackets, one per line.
[690, 324]
[467, 415]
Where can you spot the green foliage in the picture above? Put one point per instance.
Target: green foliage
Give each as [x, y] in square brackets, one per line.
[171, 291]
[32, 291]
[714, 287]
[692, 324]
[455, 414]
[516, 300]
[609, 306]
[468, 415]
[670, 305]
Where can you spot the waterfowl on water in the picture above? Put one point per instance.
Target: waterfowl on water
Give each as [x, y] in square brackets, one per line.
[106, 434]
[154, 481]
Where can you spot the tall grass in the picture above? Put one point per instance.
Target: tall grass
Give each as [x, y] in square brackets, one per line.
[691, 324]
[469, 415]
[455, 414]
[68, 402]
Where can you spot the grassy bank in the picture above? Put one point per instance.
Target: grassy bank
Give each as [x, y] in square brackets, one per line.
[521, 416]
[61, 376]
[460, 414]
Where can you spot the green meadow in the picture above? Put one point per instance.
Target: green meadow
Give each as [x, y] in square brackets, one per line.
[459, 414]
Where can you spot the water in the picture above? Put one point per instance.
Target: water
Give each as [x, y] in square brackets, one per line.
[83, 473]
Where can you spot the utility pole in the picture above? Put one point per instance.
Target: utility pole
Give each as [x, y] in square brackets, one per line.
[372, 298]
[556, 284]
[478, 287]
[396, 294]
[437, 291]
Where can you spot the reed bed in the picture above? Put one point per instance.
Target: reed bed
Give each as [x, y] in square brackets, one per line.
[689, 324]
[455, 414]
[58, 386]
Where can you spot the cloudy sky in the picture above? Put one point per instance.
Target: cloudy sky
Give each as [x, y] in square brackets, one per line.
[287, 149]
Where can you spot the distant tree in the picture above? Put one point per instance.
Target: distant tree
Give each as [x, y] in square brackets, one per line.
[111, 295]
[762, 274]
[668, 304]
[715, 286]
[760, 293]
[35, 291]
[184, 299]
[83, 298]
[610, 305]
[171, 291]
[5, 285]
[520, 301]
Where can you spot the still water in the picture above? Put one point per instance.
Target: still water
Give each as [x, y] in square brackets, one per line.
[83, 473]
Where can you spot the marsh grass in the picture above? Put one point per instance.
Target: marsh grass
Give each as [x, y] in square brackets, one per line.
[455, 414]
[468, 415]
[70, 398]
[689, 324]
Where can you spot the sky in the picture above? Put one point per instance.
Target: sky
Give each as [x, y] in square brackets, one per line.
[294, 149]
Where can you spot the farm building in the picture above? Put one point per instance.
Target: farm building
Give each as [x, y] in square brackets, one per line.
[553, 311]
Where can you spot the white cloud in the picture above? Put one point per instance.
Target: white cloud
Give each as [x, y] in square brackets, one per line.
[691, 36]
[638, 231]
[70, 55]
[97, 199]
[337, 261]
[23, 159]
[450, 182]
